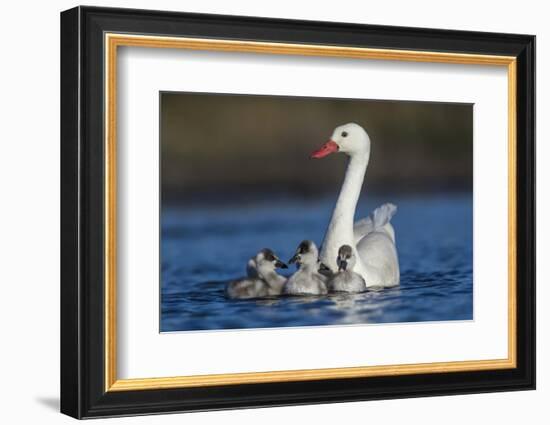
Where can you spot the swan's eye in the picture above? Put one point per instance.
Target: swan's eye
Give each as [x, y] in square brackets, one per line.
[344, 134]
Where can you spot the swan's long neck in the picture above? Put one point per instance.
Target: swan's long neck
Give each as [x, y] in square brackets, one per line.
[351, 189]
[340, 228]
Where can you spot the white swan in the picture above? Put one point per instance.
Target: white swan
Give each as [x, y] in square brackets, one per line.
[307, 280]
[373, 238]
[346, 280]
[262, 280]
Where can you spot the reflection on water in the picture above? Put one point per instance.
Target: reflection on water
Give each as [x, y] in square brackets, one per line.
[204, 247]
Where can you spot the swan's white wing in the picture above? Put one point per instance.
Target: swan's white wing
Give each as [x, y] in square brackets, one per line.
[362, 227]
[383, 214]
[378, 219]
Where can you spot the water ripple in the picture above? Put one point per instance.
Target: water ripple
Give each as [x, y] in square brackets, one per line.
[202, 249]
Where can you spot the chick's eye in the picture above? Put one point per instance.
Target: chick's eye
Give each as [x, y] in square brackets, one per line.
[344, 134]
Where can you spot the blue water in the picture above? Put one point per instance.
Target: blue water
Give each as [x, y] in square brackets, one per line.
[204, 247]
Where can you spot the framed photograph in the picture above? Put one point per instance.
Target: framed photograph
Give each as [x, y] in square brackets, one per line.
[261, 212]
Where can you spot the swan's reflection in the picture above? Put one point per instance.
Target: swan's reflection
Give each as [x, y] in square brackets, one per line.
[362, 307]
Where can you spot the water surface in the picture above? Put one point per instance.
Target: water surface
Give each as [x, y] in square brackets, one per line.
[203, 247]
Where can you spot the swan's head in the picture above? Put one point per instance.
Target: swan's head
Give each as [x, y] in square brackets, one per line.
[306, 254]
[350, 139]
[346, 258]
[266, 262]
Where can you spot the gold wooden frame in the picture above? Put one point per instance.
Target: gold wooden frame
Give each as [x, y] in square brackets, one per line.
[113, 41]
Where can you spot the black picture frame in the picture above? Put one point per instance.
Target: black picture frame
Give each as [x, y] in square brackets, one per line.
[83, 392]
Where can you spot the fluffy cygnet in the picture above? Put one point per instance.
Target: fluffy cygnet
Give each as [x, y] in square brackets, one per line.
[263, 279]
[307, 280]
[346, 280]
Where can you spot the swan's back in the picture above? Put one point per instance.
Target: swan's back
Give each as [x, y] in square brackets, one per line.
[378, 255]
[388, 228]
